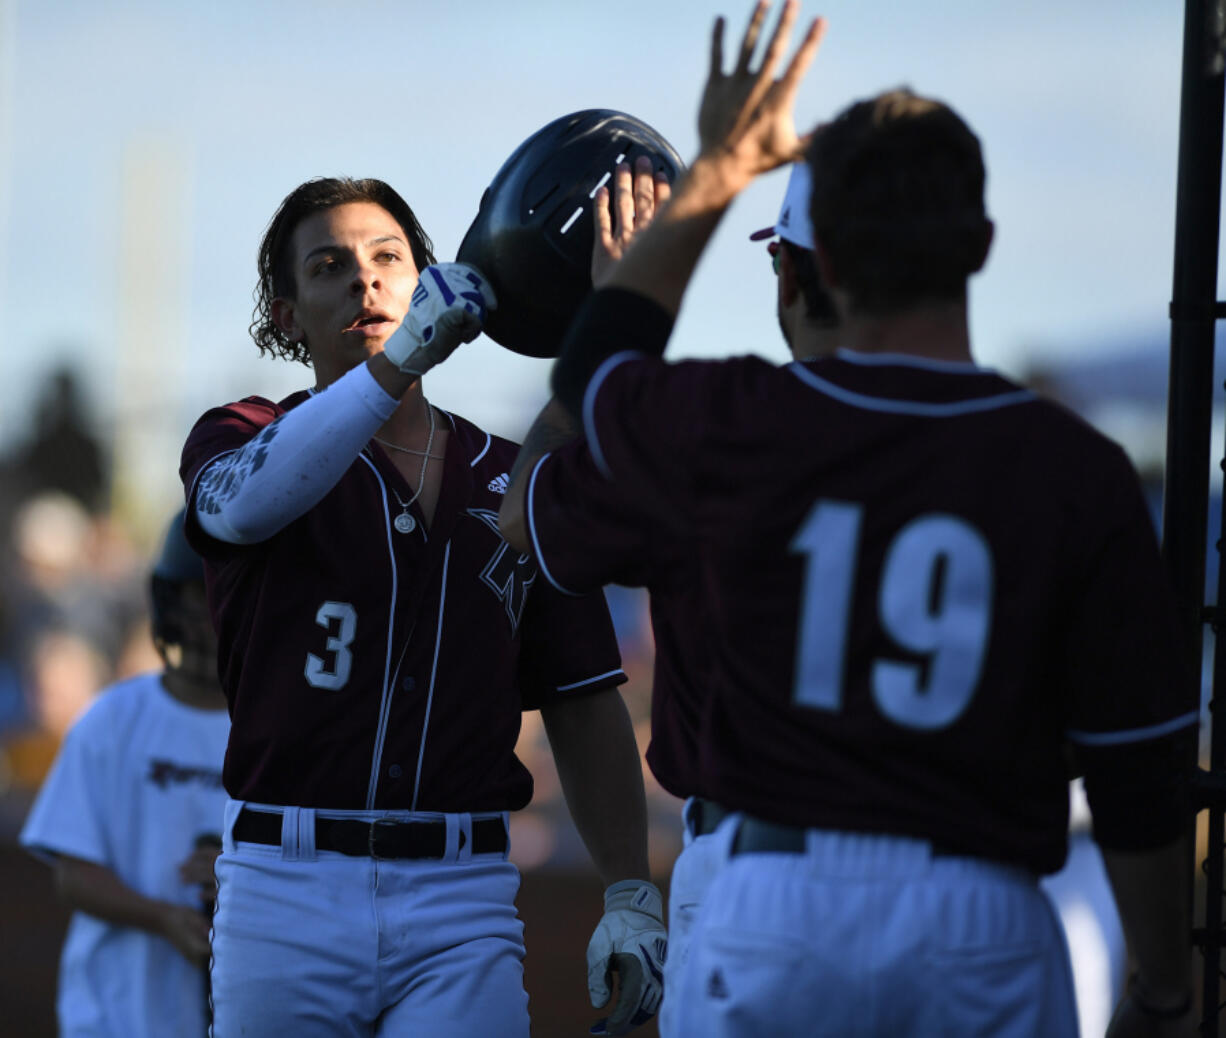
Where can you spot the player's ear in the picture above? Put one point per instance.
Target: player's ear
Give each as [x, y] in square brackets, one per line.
[825, 266]
[789, 288]
[286, 319]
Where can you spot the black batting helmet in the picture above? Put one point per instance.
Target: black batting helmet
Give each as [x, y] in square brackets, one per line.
[532, 237]
[177, 565]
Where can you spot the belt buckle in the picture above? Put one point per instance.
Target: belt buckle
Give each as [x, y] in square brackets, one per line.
[372, 838]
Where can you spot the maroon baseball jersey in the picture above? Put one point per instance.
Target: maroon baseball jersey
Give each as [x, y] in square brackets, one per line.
[370, 668]
[618, 550]
[918, 582]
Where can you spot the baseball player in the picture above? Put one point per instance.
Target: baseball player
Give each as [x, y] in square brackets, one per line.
[1080, 891]
[923, 585]
[126, 817]
[378, 642]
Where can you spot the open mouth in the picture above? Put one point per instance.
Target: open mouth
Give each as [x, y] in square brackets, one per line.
[369, 321]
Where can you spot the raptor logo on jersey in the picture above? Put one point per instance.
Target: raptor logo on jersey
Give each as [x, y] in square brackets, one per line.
[508, 574]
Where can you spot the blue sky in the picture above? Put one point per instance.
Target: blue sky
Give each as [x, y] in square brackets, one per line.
[223, 107]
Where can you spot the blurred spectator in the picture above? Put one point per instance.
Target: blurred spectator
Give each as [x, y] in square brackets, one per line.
[129, 819]
[73, 575]
[12, 704]
[61, 453]
[64, 674]
[73, 620]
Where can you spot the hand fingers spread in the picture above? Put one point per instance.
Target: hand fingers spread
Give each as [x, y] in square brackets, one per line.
[664, 189]
[717, 50]
[804, 56]
[644, 192]
[603, 219]
[623, 202]
[779, 40]
[750, 40]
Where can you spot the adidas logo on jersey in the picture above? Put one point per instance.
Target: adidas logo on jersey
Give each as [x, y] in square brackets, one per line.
[499, 484]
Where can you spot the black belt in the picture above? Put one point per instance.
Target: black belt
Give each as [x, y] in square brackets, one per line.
[382, 838]
[755, 835]
[705, 816]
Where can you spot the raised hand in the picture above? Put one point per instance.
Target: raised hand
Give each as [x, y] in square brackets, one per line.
[636, 198]
[746, 115]
[448, 307]
[746, 128]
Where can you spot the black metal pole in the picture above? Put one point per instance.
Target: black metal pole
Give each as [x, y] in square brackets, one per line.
[1190, 401]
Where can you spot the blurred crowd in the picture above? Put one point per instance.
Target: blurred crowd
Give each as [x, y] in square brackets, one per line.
[74, 617]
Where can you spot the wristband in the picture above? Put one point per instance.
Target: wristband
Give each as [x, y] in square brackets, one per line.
[609, 321]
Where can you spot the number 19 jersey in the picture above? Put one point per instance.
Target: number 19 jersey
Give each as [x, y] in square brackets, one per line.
[921, 585]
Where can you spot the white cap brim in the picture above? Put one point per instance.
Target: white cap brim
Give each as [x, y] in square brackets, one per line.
[793, 223]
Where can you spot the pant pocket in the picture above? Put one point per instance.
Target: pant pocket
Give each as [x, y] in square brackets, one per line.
[1018, 991]
[750, 984]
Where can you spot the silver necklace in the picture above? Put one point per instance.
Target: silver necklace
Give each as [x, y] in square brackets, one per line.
[404, 522]
[405, 450]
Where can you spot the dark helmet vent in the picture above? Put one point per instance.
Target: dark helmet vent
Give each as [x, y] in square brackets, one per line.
[532, 236]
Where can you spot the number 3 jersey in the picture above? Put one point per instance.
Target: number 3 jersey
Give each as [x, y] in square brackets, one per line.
[919, 586]
[369, 668]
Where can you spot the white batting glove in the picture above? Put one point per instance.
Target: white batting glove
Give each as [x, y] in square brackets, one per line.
[631, 939]
[448, 307]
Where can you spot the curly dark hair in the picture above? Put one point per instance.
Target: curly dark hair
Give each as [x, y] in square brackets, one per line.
[897, 201]
[275, 263]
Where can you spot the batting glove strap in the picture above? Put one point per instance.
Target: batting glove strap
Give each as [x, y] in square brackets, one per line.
[631, 939]
[448, 307]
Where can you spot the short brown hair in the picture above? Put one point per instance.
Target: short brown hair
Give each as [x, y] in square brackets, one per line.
[276, 264]
[897, 201]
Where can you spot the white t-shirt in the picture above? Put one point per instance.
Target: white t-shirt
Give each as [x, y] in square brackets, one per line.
[136, 781]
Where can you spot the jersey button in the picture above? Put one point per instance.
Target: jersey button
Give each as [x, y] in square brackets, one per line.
[408, 684]
[395, 771]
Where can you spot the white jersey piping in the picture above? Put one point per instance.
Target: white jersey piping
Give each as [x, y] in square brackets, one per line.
[385, 703]
[536, 544]
[912, 407]
[910, 360]
[589, 406]
[592, 680]
[1153, 731]
[481, 453]
[438, 641]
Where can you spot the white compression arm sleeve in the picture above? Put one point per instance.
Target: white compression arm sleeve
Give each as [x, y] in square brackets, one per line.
[248, 495]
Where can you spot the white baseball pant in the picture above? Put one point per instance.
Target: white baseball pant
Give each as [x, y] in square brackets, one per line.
[691, 877]
[866, 935]
[315, 943]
